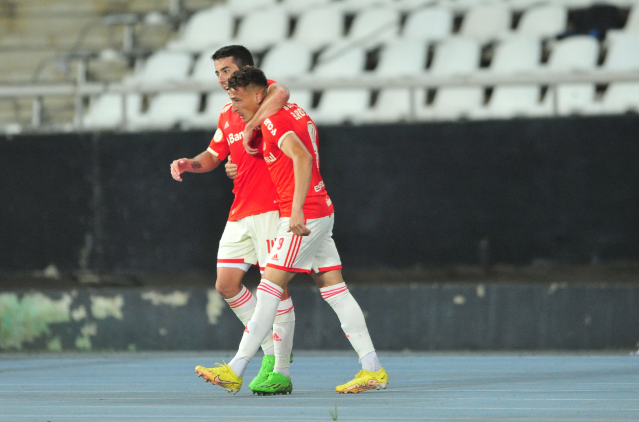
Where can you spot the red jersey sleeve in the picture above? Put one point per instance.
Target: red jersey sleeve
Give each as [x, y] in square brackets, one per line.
[218, 145]
[277, 128]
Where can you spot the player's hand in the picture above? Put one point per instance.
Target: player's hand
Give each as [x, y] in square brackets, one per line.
[248, 136]
[296, 224]
[178, 167]
[231, 169]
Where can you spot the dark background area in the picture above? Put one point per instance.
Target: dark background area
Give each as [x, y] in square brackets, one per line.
[560, 191]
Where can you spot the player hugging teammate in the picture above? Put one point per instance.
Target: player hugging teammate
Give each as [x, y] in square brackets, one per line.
[288, 149]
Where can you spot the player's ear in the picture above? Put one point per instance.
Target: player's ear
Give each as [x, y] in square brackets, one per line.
[259, 97]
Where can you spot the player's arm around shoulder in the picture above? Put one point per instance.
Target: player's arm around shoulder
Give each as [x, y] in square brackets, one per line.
[204, 162]
[277, 96]
[292, 146]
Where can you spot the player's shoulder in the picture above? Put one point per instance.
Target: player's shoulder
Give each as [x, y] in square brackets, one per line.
[270, 82]
[226, 109]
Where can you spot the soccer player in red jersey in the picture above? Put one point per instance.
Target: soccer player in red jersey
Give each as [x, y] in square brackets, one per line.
[253, 219]
[304, 242]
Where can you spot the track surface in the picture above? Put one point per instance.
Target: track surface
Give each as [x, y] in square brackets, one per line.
[423, 387]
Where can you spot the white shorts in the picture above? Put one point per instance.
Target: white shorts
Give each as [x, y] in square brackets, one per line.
[248, 241]
[303, 254]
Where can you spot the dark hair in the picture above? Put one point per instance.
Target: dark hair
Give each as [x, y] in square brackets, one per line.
[248, 76]
[241, 56]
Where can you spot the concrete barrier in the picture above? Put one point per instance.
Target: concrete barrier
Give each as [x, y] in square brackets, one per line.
[454, 316]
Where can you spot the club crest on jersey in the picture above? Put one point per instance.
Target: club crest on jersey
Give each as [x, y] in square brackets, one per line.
[270, 159]
[233, 137]
[218, 136]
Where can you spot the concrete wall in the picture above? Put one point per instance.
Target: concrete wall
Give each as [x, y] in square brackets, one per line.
[514, 192]
[416, 317]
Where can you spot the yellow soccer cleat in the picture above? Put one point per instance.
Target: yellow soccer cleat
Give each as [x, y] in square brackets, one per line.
[364, 380]
[222, 375]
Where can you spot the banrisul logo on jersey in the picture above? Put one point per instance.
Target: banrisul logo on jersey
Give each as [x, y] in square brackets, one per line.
[233, 137]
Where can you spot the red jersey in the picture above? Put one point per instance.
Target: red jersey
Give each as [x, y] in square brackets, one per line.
[253, 188]
[289, 119]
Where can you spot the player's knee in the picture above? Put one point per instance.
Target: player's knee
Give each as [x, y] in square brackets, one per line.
[226, 288]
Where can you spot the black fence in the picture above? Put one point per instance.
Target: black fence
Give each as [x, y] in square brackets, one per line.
[516, 191]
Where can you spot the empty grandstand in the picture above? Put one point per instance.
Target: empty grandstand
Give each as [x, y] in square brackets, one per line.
[145, 65]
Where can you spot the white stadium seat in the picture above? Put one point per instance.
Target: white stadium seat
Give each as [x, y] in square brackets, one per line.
[357, 5]
[341, 105]
[392, 105]
[317, 28]
[515, 101]
[297, 6]
[632, 24]
[204, 68]
[287, 60]
[263, 28]
[402, 58]
[543, 21]
[303, 98]
[622, 53]
[241, 7]
[205, 29]
[430, 24]
[165, 66]
[105, 111]
[368, 28]
[349, 64]
[516, 55]
[452, 103]
[455, 57]
[215, 101]
[576, 53]
[167, 110]
[621, 97]
[486, 22]
[576, 99]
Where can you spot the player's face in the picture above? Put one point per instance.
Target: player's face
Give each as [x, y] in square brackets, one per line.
[245, 102]
[224, 69]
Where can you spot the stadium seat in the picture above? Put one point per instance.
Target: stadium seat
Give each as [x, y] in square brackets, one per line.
[208, 119]
[241, 7]
[621, 97]
[349, 64]
[164, 66]
[451, 103]
[369, 27]
[287, 60]
[576, 99]
[514, 101]
[105, 111]
[632, 24]
[317, 28]
[168, 109]
[297, 6]
[516, 55]
[430, 24]
[455, 56]
[263, 28]
[392, 105]
[341, 105]
[357, 5]
[204, 68]
[411, 5]
[622, 53]
[198, 34]
[401, 58]
[486, 22]
[543, 21]
[303, 98]
[576, 53]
